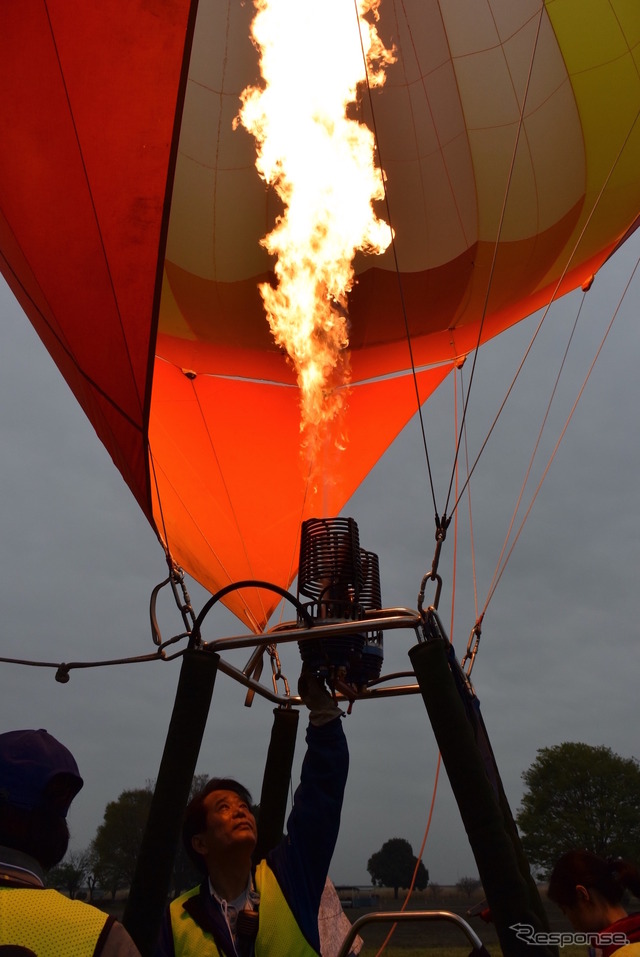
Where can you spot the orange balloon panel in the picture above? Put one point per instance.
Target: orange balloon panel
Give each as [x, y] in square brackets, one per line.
[132, 214]
[249, 479]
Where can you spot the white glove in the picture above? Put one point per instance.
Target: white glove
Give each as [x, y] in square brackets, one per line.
[314, 693]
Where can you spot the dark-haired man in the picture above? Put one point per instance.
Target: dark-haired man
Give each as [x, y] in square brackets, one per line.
[270, 910]
[39, 779]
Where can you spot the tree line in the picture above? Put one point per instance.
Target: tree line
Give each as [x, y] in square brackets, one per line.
[576, 796]
[109, 862]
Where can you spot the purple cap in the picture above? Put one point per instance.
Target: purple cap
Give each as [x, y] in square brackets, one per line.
[31, 760]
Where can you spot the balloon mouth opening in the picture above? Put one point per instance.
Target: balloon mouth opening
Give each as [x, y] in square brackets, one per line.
[340, 582]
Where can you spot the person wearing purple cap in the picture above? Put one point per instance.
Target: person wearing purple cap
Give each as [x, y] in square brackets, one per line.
[39, 779]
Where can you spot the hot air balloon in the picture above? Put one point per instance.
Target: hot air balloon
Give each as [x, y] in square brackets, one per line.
[132, 214]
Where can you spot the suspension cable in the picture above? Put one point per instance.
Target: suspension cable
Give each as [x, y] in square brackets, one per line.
[525, 480]
[495, 249]
[562, 433]
[418, 857]
[552, 299]
[396, 264]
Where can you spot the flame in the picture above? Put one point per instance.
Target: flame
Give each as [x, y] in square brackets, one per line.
[313, 60]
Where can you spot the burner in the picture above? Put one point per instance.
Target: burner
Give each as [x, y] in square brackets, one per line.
[343, 582]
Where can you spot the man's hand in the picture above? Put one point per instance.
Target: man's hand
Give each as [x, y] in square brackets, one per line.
[314, 693]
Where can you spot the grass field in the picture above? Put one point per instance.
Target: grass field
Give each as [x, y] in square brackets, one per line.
[441, 939]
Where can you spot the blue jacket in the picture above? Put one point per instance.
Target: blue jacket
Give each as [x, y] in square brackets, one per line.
[300, 862]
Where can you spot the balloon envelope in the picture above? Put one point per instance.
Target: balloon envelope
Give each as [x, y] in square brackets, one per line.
[132, 214]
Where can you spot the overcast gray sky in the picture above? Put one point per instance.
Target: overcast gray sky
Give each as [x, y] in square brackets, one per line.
[558, 659]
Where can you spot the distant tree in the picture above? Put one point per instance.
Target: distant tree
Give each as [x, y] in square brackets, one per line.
[114, 850]
[435, 890]
[580, 796]
[92, 880]
[468, 885]
[105, 873]
[393, 866]
[70, 874]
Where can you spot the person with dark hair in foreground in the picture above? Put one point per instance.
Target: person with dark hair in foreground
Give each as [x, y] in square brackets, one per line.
[39, 779]
[270, 909]
[590, 891]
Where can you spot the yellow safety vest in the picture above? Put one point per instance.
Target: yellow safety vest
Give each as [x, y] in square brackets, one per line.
[48, 923]
[278, 932]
